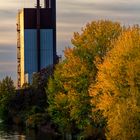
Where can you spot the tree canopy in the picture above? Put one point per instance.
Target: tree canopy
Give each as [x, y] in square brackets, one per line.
[69, 98]
[118, 87]
[93, 92]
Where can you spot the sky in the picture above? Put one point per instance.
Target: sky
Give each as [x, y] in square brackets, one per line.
[71, 17]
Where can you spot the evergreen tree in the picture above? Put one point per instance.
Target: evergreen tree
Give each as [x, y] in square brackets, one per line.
[7, 91]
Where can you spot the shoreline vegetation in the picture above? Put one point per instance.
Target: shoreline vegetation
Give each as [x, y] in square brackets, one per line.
[94, 93]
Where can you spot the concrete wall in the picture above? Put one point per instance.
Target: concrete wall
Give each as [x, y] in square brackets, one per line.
[22, 45]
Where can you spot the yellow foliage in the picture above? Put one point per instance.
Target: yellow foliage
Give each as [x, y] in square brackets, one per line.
[74, 66]
[97, 33]
[69, 92]
[61, 101]
[118, 87]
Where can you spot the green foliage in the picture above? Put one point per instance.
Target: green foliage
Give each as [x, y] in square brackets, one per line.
[95, 89]
[27, 102]
[6, 85]
[118, 89]
[40, 79]
[69, 100]
[17, 106]
[36, 120]
[7, 91]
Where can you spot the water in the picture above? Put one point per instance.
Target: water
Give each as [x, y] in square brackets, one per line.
[8, 132]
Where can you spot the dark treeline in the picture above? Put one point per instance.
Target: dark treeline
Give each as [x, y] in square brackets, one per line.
[94, 93]
[27, 105]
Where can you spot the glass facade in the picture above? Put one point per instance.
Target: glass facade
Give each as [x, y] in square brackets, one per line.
[46, 47]
[30, 52]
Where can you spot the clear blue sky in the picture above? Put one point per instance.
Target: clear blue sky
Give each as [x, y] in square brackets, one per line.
[71, 16]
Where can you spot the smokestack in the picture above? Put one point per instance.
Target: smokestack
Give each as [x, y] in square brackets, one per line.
[46, 3]
[53, 6]
[38, 4]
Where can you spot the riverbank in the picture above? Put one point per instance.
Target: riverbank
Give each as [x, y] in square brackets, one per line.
[15, 132]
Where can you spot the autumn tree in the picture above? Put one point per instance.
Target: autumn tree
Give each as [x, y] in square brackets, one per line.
[118, 87]
[69, 100]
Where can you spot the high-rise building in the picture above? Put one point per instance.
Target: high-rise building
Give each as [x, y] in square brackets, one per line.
[36, 40]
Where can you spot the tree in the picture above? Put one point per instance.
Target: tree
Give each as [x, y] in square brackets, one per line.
[7, 91]
[6, 85]
[39, 83]
[40, 79]
[73, 76]
[118, 87]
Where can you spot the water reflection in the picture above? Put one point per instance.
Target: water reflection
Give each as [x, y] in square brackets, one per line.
[17, 133]
[11, 133]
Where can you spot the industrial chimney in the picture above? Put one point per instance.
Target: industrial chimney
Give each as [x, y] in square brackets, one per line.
[38, 3]
[46, 3]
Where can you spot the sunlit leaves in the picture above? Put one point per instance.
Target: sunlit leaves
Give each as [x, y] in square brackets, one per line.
[117, 89]
[68, 90]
